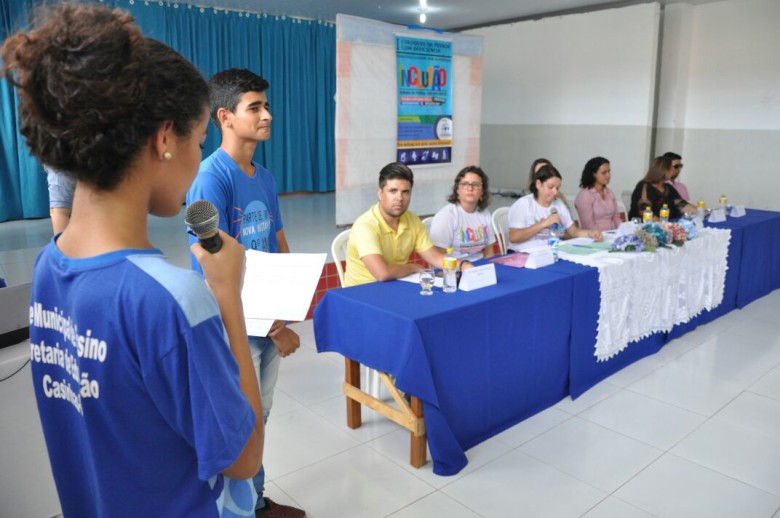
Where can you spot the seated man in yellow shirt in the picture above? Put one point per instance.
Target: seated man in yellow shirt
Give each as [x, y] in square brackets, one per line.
[382, 239]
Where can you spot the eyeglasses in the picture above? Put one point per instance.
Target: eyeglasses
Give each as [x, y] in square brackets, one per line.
[471, 185]
[678, 166]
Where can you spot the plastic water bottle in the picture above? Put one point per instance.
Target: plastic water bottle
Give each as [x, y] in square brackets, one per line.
[647, 215]
[701, 209]
[556, 231]
[450, 264]
[723, 202]
[664, 213]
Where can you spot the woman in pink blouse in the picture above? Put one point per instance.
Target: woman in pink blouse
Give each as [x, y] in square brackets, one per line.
[596, 203]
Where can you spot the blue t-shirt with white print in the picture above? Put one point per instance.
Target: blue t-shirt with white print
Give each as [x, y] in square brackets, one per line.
[248, 206]
[137, 389]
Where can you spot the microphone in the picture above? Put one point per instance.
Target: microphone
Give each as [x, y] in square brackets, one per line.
[202, 217]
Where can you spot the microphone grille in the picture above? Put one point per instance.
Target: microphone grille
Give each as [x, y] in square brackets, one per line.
[202, 217]
[553, 211]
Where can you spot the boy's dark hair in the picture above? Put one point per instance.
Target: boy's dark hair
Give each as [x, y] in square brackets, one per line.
[672, 156]
[227, 87]
[395, 171]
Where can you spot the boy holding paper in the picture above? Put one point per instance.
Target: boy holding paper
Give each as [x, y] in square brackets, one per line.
[245, 195]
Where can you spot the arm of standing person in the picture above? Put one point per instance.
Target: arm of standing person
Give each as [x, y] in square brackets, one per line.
[224, 272]
[61, 189]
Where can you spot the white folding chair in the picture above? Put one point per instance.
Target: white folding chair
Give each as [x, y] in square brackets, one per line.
[568, 200]
[501, 228]
[626, 197]
[338, 249]
[621, 207]
[428, 222]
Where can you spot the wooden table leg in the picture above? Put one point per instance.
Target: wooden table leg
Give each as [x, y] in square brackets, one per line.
[417, 448]
[352, 377]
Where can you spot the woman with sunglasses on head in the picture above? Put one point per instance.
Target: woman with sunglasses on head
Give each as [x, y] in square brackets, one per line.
[653, 191]
[143, 379]
[464, 224]
[532, 216]
[596, 203]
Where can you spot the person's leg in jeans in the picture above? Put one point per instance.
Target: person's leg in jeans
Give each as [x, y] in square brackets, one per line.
[266, 361]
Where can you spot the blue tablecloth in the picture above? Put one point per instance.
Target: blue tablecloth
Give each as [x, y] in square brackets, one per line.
[485, 360]
[480, 361]
[758, 257]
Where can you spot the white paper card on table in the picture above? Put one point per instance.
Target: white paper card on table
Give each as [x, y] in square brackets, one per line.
[626, 228]
[579, 241]
[278, 287]
[539, 257]
[414, 278]
[717, 215]
[737, 211]
[478, 277]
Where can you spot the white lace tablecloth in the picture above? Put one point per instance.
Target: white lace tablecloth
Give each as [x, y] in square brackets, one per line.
[646, 293]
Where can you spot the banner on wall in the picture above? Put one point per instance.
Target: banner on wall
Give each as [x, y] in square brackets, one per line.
[424, 101]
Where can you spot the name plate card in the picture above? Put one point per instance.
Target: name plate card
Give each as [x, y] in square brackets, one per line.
[717, 215]
[626, 228]
[478, 277]
[737, 211]
[539, 257]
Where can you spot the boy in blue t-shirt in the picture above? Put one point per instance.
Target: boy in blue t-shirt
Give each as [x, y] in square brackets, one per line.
[246, 198]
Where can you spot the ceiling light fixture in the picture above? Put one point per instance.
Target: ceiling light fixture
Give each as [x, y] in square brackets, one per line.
[423, 9]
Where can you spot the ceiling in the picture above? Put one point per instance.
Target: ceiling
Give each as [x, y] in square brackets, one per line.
[442, 14]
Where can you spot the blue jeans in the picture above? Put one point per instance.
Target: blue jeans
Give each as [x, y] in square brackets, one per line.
[266, 361]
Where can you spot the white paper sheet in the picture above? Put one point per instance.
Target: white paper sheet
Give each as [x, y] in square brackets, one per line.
[414, 278]
[278, 287]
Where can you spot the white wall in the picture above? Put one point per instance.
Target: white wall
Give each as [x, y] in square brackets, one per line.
[729, 103]
[570, 88]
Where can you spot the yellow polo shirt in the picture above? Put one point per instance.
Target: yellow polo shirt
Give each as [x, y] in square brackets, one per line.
[371, 234]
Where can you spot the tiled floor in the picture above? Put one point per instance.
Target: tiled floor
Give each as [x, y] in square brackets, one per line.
[691, 431]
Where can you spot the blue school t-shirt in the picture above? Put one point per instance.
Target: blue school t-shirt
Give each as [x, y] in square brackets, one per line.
[137, 389]
[248, 206]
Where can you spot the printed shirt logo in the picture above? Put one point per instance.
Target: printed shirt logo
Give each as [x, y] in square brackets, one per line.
[473, 239]
[255, 228]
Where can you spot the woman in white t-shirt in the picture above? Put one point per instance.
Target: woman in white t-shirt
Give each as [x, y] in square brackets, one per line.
[464, 224]
[531, 217]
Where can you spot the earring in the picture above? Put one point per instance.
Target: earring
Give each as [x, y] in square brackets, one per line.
[167, 155]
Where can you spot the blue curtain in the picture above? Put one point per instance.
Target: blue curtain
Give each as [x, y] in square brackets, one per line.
[297, 57]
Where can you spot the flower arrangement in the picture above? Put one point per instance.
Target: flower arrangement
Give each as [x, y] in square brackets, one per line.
[677, 233]
[690, 228]
[628, 243]
[651, 236]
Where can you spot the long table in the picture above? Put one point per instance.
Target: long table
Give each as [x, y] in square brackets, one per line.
[480, 361]
[485, 360]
